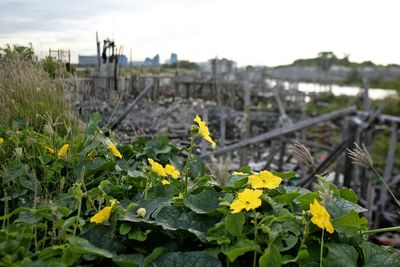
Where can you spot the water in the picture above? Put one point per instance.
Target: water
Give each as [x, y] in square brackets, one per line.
[374, 93]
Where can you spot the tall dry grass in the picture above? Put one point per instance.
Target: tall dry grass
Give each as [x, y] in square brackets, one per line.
[29, 97]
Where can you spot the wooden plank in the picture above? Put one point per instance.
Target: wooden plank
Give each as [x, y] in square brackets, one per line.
[284, 130]
[128, 109]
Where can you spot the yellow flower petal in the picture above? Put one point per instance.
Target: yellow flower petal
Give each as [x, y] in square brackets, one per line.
[248, 199]
[239, 173]
[264, 179]
[49, 149]
[62, 153]
[114, 150]
[157, 168]
[203, 131]
[1, 140]
[171, 170]
[164, 181]
[104, 214]
[320, 216]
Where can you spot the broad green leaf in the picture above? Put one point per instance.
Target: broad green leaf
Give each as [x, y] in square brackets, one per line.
[157, 252]
[236, 181]
[151, 206]
[218, 233]
[187, 259]
[239, 249]
[340, 255]
[174, 218]
[287, 198]
[91, 126]
[81, 245]
[204, 202]
[285, 175]
[271, 257]
[41, 263]
[376, 256]
[129, 260]
[295, 189]
[306, 199]
[234, 223]
[29, 182]
[348, 194]
[340, 206]
[138, 235]
[350, 224]
[124, 228]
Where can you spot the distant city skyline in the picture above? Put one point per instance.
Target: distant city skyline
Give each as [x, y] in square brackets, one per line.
[255, 32]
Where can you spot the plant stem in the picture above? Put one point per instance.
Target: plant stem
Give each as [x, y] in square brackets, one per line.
[381, 230]
[255, 239]
[322, 248]
[387, 187]
[189, 159]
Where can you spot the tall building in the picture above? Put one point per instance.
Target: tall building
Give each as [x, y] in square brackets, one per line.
[173, 59]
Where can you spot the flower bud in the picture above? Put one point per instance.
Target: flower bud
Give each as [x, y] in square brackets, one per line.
[141, 212]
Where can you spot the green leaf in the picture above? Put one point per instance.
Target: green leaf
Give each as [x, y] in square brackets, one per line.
[151, 206]
[236, 181]
[157, 252]
[81, 245]
[339, 207]
[285, 175]
[348, 194]
[29, 182]
[176, 218]
[238, 249]
[91, 126]
[307, 198]
[124, 228]
[341, 255]
[287, 198]
[41, 263]
[129, 260]
[350, 224]
[204, 202]
[376, 256]
[187, 259]
[271, 257]
[218, 233]
[138, 235]
[234, 223]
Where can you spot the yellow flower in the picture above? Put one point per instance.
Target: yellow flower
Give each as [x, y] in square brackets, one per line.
[114, 150]
[321, 217]
[62, 153]
[49, 149]
[157, 168]
[264, 179]
[170, 170]
[203, 131]
[239, 173]
[1, 140]
[164, 181]
[104, 214]
[248, 199]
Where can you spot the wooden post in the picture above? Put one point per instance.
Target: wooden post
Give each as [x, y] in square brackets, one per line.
[366, 95]
[247, 115]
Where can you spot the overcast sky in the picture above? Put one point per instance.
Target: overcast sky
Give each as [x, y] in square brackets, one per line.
[257, 32]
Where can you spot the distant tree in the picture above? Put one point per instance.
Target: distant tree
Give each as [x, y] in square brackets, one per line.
[50, 66]
[25, 52]
[183, 64]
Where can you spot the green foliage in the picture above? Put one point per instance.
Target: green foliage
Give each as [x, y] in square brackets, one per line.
[48, 202]
[29, 97]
